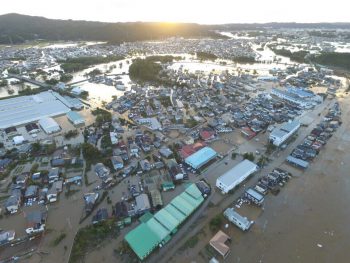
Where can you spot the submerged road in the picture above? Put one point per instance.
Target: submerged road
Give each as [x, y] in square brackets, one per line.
[194, 224]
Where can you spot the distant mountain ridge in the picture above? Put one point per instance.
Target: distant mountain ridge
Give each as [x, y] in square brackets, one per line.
[16, 28]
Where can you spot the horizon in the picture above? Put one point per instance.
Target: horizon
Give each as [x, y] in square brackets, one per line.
[226, 12]
[174, 22]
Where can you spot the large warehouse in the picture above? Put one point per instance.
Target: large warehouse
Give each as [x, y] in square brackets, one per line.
[201, 157]
[49, 125]
[235, 176]
[22, 110]
[279, 135]
[158, 229]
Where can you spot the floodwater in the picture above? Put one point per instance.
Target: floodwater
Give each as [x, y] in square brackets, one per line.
[4, 91]
[307, 221]
[101, 92]
[193, 66]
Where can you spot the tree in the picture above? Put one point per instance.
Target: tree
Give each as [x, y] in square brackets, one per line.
[91, 153]
[270, 148]
[249, 156]
[215, 223]
[66, 77]
[50, 148]
[51, 81]
[262, 161]
[144, 70]
[34, 168]
[36, 147]
[233, 156]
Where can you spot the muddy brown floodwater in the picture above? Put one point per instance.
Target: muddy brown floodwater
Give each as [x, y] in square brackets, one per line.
[307, 222]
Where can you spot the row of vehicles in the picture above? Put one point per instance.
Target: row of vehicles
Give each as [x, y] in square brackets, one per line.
[272, 181]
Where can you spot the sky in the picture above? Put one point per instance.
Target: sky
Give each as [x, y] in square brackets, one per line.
[197, 11]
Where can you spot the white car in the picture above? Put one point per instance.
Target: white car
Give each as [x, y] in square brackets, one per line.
[32, 230]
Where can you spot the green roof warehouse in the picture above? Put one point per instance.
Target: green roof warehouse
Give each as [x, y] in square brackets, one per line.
[157, 230]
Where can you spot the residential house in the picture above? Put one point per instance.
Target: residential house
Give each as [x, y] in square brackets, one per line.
[101, 215]
[123, 209]
[142, 204]
[4, 163]
[145, 165]
[36, 221]
[53, 192]
[7, 236]
[117, 162]
[90, 200]
[13, 203]
[165, 152]
[54, 175]
[101, 170]
[31, 192]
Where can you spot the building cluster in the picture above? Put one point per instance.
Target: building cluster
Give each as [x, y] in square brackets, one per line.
[23, 118]
[40, 189]
[222, 48]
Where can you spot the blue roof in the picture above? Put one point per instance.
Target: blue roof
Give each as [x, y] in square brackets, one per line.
[74, 116]
[201, 157]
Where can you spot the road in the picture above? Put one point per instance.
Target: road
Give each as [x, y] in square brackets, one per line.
[188, 230]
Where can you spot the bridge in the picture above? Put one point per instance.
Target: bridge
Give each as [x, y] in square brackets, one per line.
[32, 81]
[45, 85]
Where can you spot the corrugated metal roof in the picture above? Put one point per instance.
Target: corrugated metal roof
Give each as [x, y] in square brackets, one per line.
[155, 230]
[149, 240]
[240, 170]
[180, 216]
[74, 116]
[289, 126]
[167, 219]
[25, 109]
[182, 205]
[193, 190]
[48, 123]
[201, 157]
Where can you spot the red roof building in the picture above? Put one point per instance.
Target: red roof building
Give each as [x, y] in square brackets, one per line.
[190, 149]
[248, 133]
[207, 135]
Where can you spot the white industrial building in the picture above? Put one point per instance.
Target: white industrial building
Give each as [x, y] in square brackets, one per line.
[24, 109]
[279, 135]
[291, 97]
[49, 125]
[235, 176]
